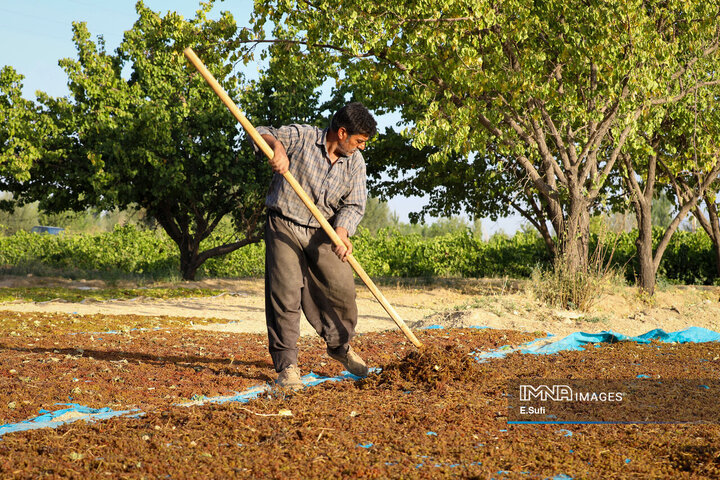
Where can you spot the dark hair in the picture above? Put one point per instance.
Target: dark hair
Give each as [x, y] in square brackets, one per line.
[355, 118]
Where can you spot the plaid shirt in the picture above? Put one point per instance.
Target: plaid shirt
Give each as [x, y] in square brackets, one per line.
[337, 189]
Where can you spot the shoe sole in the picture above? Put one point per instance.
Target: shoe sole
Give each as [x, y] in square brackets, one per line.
[294, 386]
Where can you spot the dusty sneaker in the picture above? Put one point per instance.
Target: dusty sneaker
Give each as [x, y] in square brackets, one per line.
[352, 362]
[290, 378]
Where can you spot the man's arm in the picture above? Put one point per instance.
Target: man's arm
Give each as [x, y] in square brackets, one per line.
[351, 211]
[352, 205]
[280, 162]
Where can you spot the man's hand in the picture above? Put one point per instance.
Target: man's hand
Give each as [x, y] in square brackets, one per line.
[280, 161]
[343, 251]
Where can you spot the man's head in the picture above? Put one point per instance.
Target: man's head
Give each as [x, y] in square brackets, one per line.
[354, 125]
[355, 118]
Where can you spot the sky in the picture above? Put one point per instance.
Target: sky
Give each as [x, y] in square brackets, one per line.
[35, 34]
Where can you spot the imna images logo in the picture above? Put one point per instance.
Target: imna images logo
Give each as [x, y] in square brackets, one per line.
[564, 393]
[543, 393]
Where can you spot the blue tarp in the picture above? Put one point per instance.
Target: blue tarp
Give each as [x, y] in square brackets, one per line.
[309, 380]
[503, 351]
[578, 340]
[54, 419]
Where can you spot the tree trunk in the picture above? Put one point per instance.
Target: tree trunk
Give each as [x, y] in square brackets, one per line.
[711, 225]
[189, 268]
[189, 258]
[642, 198]
[716, 247]
[575, 240]
[715, 229]
[648, 273]
[188, 245]
[549, 243]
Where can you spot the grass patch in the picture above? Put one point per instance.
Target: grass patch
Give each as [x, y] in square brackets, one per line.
[595, 319]
[33, 324]
[111, 276]
[44, 294]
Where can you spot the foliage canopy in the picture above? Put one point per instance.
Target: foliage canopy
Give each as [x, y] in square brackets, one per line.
[141, 129]
[544, 95]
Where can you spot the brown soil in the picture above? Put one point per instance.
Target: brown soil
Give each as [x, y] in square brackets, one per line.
[433, 413]
[397, 425]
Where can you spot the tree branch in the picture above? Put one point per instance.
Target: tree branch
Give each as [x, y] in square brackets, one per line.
[368, 54]
[439, 20]
[225, 249]
[712, 47]
[633, 185]
[559, 142]
[613, 156]
[684, 209]
[683, 94]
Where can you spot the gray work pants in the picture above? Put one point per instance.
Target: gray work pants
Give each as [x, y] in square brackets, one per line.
[302, 271]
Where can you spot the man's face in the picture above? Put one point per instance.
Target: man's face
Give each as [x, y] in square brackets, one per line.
[349, 143]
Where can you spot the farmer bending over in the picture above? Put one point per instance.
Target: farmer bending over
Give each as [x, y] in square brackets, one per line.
[303, 269]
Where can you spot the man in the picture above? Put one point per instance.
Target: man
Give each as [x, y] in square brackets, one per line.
[303, 269]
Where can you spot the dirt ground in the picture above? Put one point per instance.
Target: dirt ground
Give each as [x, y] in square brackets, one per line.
[494, 303]
[429, 413]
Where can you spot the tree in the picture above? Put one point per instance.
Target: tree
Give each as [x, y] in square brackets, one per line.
[685, 188]
[378, 215]
[642, 193]
[142, 129]
[446, 226]
[477, 229]
[701, 141]
[554, 87]
[679, 155]
[21, 128]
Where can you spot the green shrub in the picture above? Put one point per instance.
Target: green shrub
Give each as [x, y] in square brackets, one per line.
[689, 258]
[151, 254]
[248, 261]
[122, 251]
[458, 254]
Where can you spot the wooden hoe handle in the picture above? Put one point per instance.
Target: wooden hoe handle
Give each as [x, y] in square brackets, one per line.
[301, 193]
